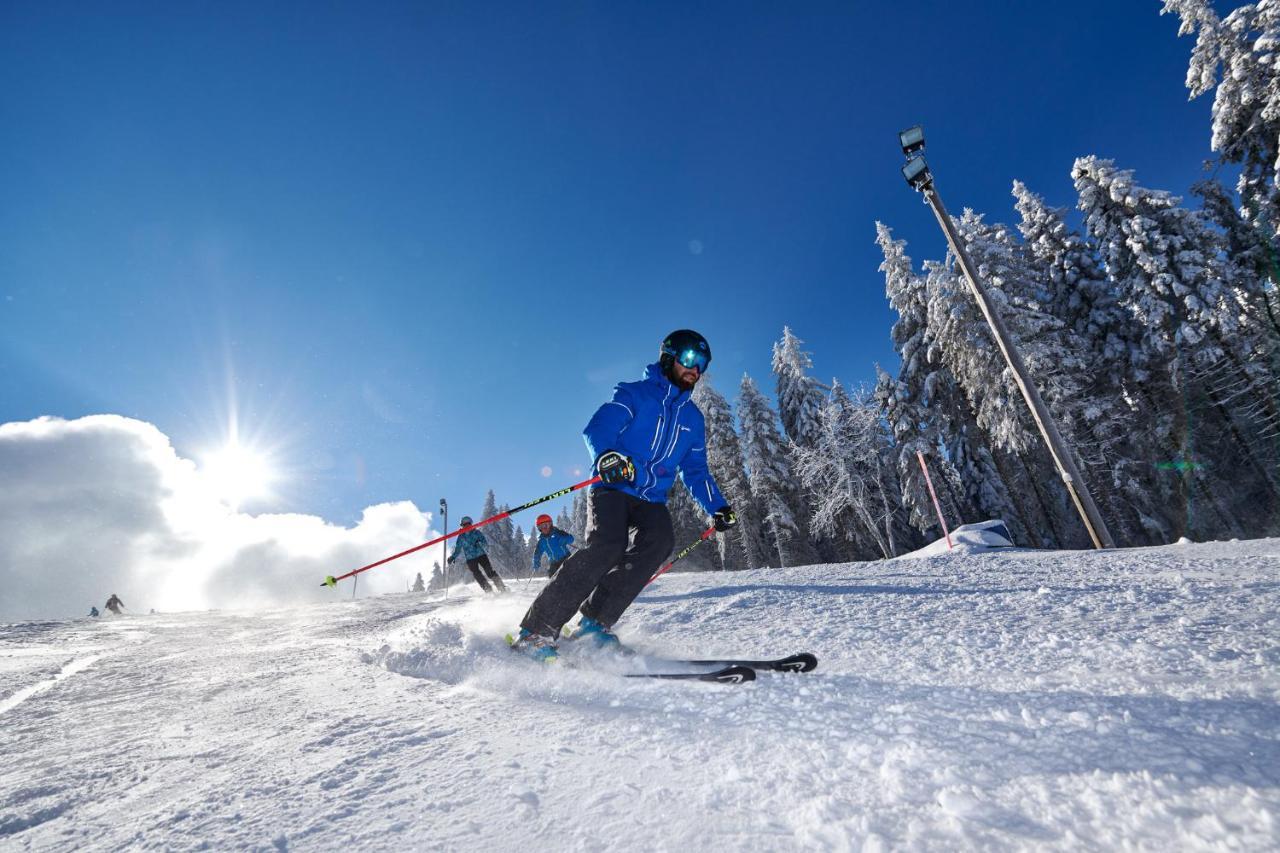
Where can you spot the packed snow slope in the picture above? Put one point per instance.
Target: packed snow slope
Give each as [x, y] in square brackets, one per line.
[996, 701]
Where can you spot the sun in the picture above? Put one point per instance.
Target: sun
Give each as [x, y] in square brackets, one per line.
[236, 475]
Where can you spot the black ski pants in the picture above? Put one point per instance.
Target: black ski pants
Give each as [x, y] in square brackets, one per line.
[597, 580]
[482, 562]
[555, 566]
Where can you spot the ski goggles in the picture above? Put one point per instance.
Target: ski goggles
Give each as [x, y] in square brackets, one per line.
[690, 358]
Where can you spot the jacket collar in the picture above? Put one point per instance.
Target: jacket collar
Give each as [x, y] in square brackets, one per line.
[653, 373]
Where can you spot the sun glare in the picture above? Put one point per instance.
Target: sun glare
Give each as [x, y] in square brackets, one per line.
[237, 475]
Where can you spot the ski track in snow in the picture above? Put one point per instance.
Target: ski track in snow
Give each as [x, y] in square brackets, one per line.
[1005, 700]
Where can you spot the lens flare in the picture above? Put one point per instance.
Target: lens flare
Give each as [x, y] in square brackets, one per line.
[236, 475]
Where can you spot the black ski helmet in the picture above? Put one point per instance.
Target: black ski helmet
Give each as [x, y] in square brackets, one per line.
[465, 521]
[687, 347]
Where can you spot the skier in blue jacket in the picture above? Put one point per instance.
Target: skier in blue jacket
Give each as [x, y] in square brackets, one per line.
[640, 440]
[474, 548]
[554, 543]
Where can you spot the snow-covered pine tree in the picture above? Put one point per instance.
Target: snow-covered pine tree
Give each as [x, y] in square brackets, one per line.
[1171, 272]
[800, 399]
[1246, 105]
[1076, 290]
[504, 550]
[800, 396]
[1057, 360]
[564, 522]
[743, 547]
[1258, 266]
[578, 513]
[1081, 296]
[437, 578]
[913, 404]
[1248, 248]
[688, 522]
[772, 482]
[522, 553]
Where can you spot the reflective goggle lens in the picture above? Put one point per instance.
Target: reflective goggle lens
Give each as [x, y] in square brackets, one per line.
[691, 358]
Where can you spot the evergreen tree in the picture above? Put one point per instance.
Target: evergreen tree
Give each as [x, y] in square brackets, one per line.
[437, 578]
[688, 522]
[771, 479]
[504, 551]
[800, 396]
[578, 516]
[564, 522]
[1246, 105]
[1198, 345]
[920, 406]
[742, 547]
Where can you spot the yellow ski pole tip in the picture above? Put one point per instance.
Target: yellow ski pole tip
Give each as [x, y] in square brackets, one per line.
[329, 581]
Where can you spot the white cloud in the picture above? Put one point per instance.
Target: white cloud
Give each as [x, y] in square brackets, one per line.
[104, 504]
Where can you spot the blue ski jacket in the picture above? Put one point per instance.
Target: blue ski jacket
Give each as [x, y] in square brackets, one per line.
[657, 425]
[472, 544]
[555, 546]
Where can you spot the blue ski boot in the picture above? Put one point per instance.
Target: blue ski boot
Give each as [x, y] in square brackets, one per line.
[596, 634]
[540, 648]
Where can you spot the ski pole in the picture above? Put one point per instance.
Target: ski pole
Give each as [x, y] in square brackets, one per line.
[332, 581]
[706, 534]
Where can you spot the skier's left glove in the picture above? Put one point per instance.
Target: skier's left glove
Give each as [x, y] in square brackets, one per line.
[613, 467]
[724, 518]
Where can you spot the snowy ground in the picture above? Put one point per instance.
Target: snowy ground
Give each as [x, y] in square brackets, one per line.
[1000, 700]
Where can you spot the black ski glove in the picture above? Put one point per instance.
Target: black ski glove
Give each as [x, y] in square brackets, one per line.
[724, 518]
[613, 467]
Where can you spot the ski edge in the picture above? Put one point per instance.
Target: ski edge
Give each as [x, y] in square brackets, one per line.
[736, 674]
[801, 662]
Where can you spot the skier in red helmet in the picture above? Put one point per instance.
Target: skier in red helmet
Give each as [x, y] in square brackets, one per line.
[552, 542]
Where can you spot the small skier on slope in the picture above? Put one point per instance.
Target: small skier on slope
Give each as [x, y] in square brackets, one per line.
[553, 542]
[114, 604]
[475, 550]
[650, 431]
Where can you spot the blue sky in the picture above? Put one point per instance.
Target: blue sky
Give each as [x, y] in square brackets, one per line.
[409, 248]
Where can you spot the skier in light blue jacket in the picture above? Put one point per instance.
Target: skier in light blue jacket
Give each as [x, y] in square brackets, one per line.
[475, 550]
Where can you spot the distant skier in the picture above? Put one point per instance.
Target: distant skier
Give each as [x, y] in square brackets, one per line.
[418, 586]
[114, 604]
[475, 550]
[553, 542]
[650, 431]
[93, 611]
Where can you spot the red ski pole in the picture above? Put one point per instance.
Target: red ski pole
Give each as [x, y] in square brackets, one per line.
[706, 534]
[332, 581]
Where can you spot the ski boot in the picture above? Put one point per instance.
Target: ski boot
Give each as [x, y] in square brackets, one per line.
[596, 634]
[540, 648]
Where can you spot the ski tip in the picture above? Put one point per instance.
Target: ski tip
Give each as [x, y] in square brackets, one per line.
[329, 581]
[803, 662]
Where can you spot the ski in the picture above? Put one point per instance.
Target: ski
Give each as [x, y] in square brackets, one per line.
[802, 662]
[727, 675]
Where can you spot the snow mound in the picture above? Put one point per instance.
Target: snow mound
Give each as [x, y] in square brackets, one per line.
[968, 539]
